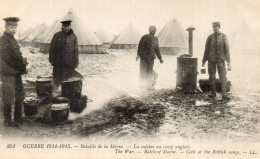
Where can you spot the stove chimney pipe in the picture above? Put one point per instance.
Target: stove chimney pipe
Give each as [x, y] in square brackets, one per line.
[190, 30]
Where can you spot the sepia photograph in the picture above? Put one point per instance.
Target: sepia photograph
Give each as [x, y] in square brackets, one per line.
[129, 79]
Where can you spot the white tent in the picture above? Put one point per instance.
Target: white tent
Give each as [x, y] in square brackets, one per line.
[33, 36]
[87, 42]
[48, 34]
[128, 38]
[243, 39]
[24, 34]
[173, 38]
[103, 36]
[27, 34]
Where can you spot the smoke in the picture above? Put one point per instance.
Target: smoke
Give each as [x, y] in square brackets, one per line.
[124, 80]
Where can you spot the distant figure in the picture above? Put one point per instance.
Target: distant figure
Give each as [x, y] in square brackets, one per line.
[63, 54]
[148, 49]
[216, 53]
[12, 66]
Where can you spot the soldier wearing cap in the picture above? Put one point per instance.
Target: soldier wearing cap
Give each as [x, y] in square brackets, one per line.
[12, 66]
[148, 50]
[63, 54]
[217, 54]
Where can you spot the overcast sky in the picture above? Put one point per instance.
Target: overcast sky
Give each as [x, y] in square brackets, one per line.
[114, 15]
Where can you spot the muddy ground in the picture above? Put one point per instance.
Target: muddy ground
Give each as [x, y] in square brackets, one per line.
[121, 110]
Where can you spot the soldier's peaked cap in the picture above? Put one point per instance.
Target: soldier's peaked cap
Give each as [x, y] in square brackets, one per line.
[66, 22]
[11, 20]
[216, 23]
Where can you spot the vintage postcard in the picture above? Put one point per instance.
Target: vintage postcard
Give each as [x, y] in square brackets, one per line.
[129, 79]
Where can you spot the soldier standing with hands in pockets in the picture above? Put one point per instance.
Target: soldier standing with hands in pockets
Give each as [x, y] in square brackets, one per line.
[12, 66]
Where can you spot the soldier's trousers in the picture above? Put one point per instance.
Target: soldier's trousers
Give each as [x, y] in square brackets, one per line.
[12, 93]
[222, 77]
[147, 73]
[59, 75]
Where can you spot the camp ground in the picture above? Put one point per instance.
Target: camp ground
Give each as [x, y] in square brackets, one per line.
[104, 99]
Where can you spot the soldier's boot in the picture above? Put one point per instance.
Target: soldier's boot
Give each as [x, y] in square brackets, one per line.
[213, 87]
[7, 117]
[213, 92]
[224, 91]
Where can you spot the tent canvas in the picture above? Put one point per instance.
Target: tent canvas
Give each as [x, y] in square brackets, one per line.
[243, 38]
[127, 38]
[87, 42]
[173, 39]
[47, 36]
[33, 37]
[25, 34]
[38, 35]
[103, 36]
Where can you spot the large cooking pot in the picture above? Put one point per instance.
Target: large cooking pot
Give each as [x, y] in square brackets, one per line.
[78, 105]
[44, 87]
[71, 89]
[30, 106]
[59, 112]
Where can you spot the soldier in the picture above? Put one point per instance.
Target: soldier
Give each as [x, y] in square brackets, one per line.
[148, 49]
[217, 53]
[63, 54]
[12, 66]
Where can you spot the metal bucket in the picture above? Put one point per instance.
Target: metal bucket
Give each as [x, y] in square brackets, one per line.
[71, 89]
[78, 105]
[44, 87]
[30, 106]
[60, 112]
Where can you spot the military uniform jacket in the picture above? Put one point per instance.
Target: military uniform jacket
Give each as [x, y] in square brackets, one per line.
[11, 59]
[148, 48]
[64, 50]
[217, 49]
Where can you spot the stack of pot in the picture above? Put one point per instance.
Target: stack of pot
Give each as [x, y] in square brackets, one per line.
[58, 111]
[44, 89]
[72, 90]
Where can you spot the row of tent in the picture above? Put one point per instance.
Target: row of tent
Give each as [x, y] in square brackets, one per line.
[172, 38]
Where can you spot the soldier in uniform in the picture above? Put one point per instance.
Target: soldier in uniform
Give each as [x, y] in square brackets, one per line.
[217, 53]
[63, 54]
[12, 66]
[148, 49]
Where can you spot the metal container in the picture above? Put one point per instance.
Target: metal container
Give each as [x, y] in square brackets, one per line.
[60, 112]
[71, 89]
[206, 87]
[78, 105]
[44, 87]
[30, 106]
[187, 73]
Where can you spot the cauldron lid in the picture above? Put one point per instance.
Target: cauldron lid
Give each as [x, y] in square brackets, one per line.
[44, 80]
[61, 106]
[30, 99]
[73, 80]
